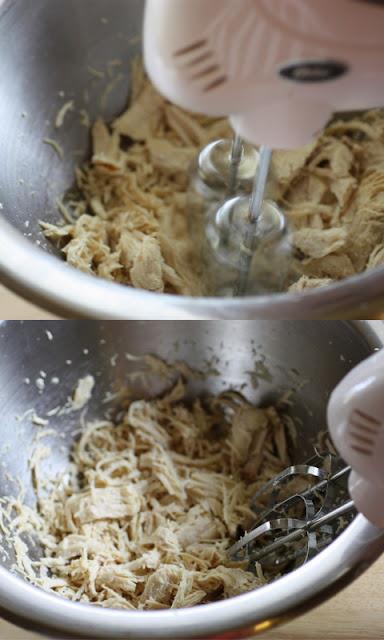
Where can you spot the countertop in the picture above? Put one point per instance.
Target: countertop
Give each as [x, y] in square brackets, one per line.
[355, 614]
[14, 308]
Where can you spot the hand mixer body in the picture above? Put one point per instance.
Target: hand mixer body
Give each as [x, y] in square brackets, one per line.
[279, 68]
[356, 423]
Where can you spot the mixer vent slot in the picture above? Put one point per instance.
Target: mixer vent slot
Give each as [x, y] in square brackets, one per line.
[204, 57]
[216, 83]
[367, 417]
[191, 48]
[364, 452]
[202, 64]
[206, 71]
[364, 431]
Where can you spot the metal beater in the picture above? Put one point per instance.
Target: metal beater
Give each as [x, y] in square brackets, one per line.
[242, 240]
[306, 507]
[296, 523]
[245, 240]
[248, 247]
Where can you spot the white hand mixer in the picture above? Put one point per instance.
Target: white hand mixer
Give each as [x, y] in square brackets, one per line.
[278, 68]
[356, 425]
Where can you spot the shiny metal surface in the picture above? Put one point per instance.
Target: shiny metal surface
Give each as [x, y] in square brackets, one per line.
[310, 357]
[46, 49]
[298, 517]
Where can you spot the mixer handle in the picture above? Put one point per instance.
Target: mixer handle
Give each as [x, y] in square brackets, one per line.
[356, 424]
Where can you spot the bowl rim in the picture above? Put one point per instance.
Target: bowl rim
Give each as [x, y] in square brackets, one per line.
[45, 280]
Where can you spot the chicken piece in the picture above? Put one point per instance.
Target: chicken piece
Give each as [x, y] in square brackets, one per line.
[333, 266]
[118, 578]
[189, 131]
[185, 597]
[129, 248]
[169, 158]
[198, 527]
[376, 259]
[142, 416]
[89, 246]
[110, 267]
[279, 435]
[89, 254]
[366, 229]
[162, 585]
[139, 79]
[100, 504]
[57, 233]
[286, 164]
[147, 270]
[179, 268]
[337, 158]
[309, 190]
[305, 283]
[344, 189]
[314, 243]
[342, 161]
[150, 560]
[232, 581]
[160, 463]
[372, 155]
[73, 545]
[83, 392]
[249, 430]
[366, 232]
[143, 118]
[167, 540]
[343, 127]
[106, 149]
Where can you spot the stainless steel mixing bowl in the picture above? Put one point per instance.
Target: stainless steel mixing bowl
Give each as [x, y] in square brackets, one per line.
[318, 354]
[46, 50]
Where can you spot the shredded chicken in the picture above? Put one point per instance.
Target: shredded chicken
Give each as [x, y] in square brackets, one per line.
[335, 201]
[83, 392]
[132, 227]
[149, 505]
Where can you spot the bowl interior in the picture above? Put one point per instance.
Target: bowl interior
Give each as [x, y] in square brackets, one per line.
[50, 53]
[262, 360]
